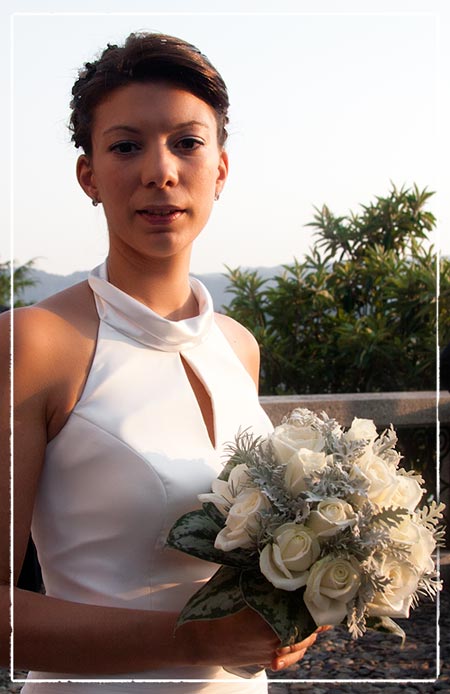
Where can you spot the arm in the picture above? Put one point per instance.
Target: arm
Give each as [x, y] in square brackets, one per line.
[61, 636]
[5, 508]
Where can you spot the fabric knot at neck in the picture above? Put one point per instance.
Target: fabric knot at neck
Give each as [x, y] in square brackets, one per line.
[132, 318]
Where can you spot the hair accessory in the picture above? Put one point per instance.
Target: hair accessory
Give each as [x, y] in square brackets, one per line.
[95, 202]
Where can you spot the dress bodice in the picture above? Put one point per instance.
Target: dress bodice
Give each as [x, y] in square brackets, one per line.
[132, 457]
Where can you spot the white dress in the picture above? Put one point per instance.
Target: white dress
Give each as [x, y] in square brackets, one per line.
[132, 457]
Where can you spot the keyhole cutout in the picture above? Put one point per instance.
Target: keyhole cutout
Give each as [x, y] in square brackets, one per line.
[203, 399]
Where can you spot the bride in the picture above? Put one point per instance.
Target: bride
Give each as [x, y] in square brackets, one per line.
[127, 388]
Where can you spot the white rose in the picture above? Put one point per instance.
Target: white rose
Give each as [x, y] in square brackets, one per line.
[361, 429]
[396, 599]
[285, 563]
[332, 583]
[224, 492]
[381, 478]
[289, 437]
[331, 516]
[407, 493]
[243, 520]
[302, 464]
[419, 541]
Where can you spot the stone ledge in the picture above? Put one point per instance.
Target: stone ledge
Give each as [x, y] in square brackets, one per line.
[399, 409]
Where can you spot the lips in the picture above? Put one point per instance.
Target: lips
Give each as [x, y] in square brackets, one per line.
[161, 214]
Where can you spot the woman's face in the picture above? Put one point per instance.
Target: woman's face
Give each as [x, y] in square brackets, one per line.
[156, 166]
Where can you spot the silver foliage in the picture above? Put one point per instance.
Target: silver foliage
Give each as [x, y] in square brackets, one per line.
[367, 540]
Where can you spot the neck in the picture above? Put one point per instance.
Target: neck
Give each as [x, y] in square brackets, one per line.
[160, 284]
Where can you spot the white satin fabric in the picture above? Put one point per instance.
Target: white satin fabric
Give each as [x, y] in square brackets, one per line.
[132, 457]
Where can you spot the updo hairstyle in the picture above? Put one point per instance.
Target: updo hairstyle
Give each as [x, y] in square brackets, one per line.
[145, 57]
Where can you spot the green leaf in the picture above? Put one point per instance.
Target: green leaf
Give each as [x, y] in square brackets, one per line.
[220, 597]
[387, 625]
[283, 610]
[362, 302]
[195, 534]
[224, 475]
[214, 514]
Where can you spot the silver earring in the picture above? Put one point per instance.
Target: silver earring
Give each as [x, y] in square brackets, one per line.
[217, 196]
[95, 202]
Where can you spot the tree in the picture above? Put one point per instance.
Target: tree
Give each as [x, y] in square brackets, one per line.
[21, 279]
[359, 314]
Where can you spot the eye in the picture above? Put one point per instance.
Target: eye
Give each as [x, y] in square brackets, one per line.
[125, 147]
[189, 143]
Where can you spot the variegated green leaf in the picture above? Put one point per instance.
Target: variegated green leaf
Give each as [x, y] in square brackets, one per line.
[220, 597]
[195, 533]
[283, 610]
[388, 625]
[213, 512]
[231, 463]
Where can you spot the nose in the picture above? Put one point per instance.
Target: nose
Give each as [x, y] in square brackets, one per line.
[159, 167]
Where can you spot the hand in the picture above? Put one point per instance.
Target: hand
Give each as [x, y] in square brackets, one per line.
[237, 640]
[289, 655]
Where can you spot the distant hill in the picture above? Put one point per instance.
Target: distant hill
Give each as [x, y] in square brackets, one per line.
[47, 284]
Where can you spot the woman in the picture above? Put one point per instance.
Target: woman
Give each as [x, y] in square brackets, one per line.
[127, 387]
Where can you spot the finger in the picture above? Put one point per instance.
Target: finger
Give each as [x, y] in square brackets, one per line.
[287, 660]
[324, 627]
[302, 645]
[306, 643]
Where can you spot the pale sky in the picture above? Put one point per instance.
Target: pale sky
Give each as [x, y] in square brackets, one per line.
[330, 102]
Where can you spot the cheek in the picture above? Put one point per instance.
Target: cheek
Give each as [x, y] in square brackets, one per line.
[205, 181]
[203, 190]
[114, 180]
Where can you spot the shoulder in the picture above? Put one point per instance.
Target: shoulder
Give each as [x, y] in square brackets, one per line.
[52, 323]
[243, 343]
[53, 344]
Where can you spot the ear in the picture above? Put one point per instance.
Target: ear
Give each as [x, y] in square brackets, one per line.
[86, 177]
[222, 172]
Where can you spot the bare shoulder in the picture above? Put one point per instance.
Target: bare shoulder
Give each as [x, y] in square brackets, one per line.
[50, 325]
[243, 343]
[74, 304]
[53, 344]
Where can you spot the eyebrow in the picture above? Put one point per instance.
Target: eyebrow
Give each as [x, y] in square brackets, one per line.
[134, 130]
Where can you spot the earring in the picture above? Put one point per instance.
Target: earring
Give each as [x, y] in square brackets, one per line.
[95, 202]
[217, 196]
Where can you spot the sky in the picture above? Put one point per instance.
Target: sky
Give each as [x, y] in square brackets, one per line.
[331, 103]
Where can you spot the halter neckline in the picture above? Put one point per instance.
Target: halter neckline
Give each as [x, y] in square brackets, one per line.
[134, 319]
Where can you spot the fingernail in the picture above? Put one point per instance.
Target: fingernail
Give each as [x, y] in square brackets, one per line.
[281, 664]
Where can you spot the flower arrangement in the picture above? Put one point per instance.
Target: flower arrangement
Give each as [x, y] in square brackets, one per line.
[314, 525]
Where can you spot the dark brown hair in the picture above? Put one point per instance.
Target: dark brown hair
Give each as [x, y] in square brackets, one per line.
[145, 57]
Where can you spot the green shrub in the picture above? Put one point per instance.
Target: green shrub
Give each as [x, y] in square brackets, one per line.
[359, 313]
[21, 280]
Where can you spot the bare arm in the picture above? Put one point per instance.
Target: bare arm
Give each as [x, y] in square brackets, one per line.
[60, 636]
[5, 508]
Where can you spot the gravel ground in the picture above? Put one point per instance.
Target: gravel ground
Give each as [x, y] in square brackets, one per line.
[376, 656]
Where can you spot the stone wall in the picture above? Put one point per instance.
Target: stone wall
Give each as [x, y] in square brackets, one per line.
[400, 409]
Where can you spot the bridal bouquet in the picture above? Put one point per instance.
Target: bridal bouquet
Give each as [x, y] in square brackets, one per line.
[314, 525]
